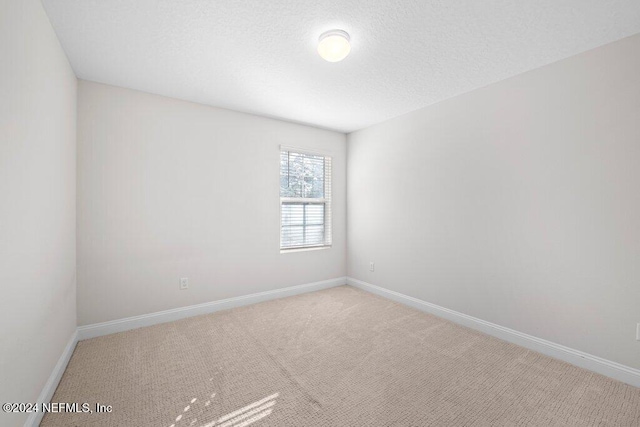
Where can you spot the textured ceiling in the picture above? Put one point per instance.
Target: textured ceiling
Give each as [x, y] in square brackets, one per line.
[260, 56]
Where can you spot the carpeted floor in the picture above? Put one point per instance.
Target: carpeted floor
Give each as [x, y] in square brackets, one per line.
[338, 357]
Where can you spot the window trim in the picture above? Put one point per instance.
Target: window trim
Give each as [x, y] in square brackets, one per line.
[326, 201]
[309, 151]
[304, 249]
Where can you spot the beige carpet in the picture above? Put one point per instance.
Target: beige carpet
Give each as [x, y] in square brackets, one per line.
[338, 357]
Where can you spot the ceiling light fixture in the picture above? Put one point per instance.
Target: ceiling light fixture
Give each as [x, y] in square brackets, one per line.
[333, 45]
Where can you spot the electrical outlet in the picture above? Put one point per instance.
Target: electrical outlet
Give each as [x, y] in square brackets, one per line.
[371, 266]
[184, 283]
[638, 331]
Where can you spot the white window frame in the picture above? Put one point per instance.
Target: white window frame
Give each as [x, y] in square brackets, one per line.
[326, 201]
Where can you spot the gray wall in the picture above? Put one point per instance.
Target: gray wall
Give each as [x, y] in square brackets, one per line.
[518, 203]
[37, 202]
[170, 189]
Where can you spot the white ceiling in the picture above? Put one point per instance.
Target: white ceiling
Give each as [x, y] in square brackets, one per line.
[260, 56]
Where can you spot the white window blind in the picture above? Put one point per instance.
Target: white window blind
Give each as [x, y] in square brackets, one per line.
[305, 200]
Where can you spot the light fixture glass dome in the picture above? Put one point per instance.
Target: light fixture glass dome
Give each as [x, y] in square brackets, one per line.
[334, 46]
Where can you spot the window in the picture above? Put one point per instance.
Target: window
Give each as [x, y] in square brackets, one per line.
[305, 200]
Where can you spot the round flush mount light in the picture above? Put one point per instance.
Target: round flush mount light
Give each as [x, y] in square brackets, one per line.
[333, 45]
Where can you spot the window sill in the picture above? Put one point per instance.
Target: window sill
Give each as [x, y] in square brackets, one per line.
[314, 248]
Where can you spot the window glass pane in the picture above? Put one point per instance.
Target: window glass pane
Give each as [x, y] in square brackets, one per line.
[292, 214]
[292, 236]
[314, 235]
[314, 215]
[302, 224]
[284, 176]
[301, 175]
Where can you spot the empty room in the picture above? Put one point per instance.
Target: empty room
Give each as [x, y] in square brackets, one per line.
[223, 213]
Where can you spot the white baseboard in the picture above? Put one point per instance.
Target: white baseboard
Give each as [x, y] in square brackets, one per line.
[120, 325]
[596, 364]
[52, 383]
